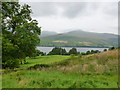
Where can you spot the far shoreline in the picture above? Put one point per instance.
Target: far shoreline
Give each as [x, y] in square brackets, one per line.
[75, 46]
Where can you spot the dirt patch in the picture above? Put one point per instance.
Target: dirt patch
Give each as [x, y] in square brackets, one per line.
[60, 41]
[85, 43]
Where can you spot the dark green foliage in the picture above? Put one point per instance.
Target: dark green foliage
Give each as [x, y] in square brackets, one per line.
[39, 66]
[94, 51]
[112, 48]
[37, 53]
[11, 64]
[105, 50]
[73, 51]
[20, 34]
[88, 52]
[83, 53]
[57, 51]
[42, 53]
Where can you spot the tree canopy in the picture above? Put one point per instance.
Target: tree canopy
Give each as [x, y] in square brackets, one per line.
[57, 51]
[73, 51]
[20, 33]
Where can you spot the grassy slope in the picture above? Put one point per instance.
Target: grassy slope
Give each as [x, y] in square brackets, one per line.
[105, 62]
[43, 60]
[67, 73]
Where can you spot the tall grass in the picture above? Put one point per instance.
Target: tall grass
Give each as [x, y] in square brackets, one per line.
[105, 62]
[55, 79]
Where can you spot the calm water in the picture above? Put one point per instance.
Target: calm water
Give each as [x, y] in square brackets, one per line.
[79, 49]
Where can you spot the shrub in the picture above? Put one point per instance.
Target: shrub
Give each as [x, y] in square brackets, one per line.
[14, 63]
[88, 52]
[73, 51]
[83, 53]
[105, 50]
[39, 66]
[37, 53]
[111, 48]
[57, 51]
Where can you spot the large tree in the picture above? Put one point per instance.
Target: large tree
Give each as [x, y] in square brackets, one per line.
[20, 34]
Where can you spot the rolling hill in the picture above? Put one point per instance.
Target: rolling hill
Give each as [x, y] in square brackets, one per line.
[78, 38]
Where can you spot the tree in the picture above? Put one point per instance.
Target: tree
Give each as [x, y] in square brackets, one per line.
[105, 50]
[111, 48]
[73, 51]
[57, 51]
[37, 53]
[88, 52]
[20, 34]
[63, 52]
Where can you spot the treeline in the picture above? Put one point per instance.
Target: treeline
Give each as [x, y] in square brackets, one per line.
[62, 51]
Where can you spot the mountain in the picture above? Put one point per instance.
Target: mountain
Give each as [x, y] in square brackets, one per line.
[47, 33]
[80, 38]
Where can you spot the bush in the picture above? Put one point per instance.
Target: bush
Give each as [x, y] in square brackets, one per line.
[88, 52]
[39, 66]
[105, 50]
[83, 53]
[14, 63]
[57, 51]
[112, 48]
[73, 51]
[37, 53]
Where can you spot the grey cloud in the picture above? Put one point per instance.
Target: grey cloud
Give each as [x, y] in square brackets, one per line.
[42, 8]
[71, 9]
[74, 9]
[111, 9]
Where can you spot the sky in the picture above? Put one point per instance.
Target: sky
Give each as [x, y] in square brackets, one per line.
[101, 17]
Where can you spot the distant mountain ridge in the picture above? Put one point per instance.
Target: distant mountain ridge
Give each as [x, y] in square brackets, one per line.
[47, 33]
[78, 38]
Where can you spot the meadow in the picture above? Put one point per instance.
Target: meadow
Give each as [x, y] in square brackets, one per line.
[58, 71]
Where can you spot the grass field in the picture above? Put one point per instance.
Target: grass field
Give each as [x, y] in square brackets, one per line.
[89, 71]
[43, 60]
[55, 79]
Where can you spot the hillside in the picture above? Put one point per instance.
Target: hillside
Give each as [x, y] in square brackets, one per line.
[47, 33]
[105, 62]
[80, 38]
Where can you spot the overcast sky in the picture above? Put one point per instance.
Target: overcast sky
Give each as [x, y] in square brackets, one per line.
[61, 17]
